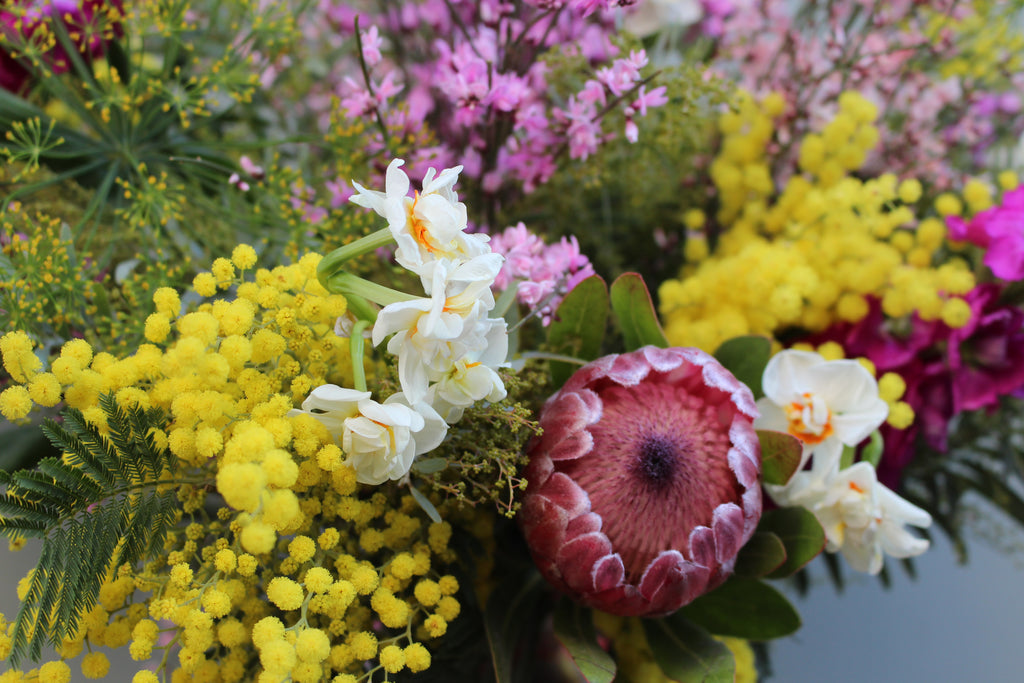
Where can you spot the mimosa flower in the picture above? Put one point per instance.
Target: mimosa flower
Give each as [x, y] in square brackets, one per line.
[380, 440]
[644, 484]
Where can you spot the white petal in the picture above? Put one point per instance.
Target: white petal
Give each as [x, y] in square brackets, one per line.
[789, 374]
[846, 385]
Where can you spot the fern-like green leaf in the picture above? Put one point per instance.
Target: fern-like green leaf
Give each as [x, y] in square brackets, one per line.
[99, 506]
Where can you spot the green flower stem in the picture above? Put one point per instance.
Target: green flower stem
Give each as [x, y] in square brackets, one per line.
[361, 309]
[349, 284]
[356, 351]
[331, 263]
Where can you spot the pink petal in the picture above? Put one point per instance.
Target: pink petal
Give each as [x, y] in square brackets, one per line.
[728, 525]
[608, 573]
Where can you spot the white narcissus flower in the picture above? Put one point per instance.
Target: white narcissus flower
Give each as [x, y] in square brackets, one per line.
[380, 440]
[332, 405]
[818, 401]
[431, 334]
[865, 520]
[471, 378]
[428, 226]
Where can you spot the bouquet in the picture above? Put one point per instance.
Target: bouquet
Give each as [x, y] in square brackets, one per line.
[511, 341]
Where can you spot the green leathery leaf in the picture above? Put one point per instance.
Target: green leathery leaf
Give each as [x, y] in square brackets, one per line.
[801, 534]
[635, 314]
[744, 608]
[574, 628]
[780, 456]
[578, 327]
[687, 653]
[762, 554]
[746, 358]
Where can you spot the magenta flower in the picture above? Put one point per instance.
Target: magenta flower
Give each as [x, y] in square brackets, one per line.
[999, 231]
[645, 482]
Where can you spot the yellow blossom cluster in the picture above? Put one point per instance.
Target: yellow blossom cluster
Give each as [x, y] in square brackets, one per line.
[813, 252]
[280, 567]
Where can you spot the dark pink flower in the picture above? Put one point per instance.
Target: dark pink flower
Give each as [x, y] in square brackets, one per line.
[645, 482]
[947, 371]
[1000, 230]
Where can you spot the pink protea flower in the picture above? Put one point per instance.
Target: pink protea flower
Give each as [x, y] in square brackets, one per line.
[645, 483]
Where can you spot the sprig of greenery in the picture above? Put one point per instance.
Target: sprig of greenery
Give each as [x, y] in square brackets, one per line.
[108, 501]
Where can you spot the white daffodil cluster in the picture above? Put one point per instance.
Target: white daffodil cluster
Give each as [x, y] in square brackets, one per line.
[828, 405]
[448, 347]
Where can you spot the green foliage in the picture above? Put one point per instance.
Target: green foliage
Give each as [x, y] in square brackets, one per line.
[746, 358]
[635, 314]
[686, 652]
[762, 554]
[801, 534]
[744, 608]
[780, 456]
[578, 327]
[107, 502]
[153, 130]
[574, 628]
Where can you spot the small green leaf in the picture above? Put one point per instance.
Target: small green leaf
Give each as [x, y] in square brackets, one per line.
[746, 358]
[425, 503]
[763, 554]
[801, 534]
[429, 465]
[574, 628]
[687, 653]
[780, 456]
[579, 326]
[635, 314]
[872, 453]
[744, 608]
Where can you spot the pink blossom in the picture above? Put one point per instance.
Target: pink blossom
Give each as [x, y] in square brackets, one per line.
[371, 41]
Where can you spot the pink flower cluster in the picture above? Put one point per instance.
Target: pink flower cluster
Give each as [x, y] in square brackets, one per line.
[947, 371]
[20, 20]
[878, 49]
[542, 273]
[1000, 231]
[473, 73]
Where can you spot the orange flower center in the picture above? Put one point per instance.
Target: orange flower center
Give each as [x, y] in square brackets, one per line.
[419, 230]
[810, 420]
